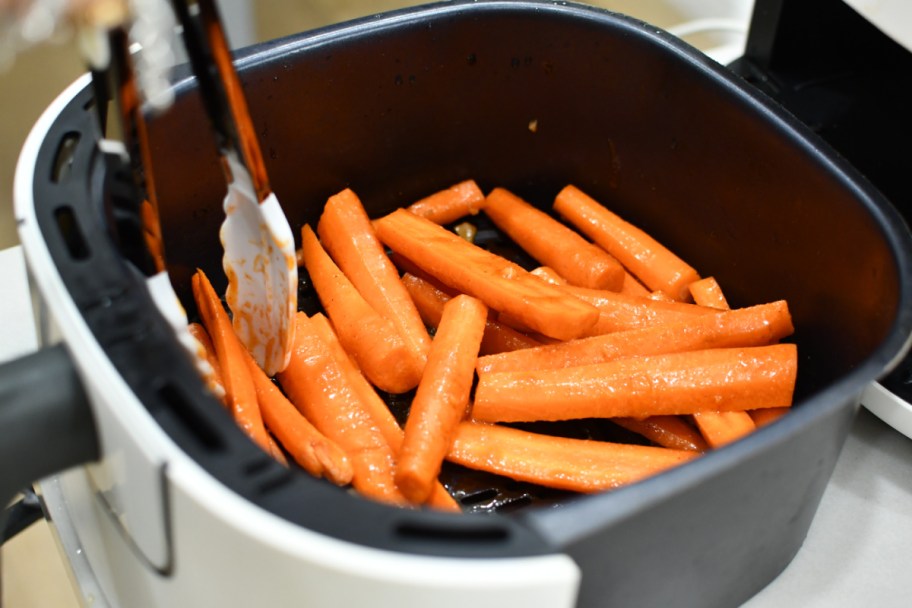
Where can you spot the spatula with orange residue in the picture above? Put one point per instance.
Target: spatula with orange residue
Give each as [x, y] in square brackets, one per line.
[259, 251]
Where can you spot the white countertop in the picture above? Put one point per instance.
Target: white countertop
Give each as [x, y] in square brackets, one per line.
[859, 548]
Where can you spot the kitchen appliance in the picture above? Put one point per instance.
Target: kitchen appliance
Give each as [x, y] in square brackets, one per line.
[843, 68]
[181, 509]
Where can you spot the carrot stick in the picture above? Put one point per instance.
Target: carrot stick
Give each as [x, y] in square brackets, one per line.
[320, 390]
[240, 392]
[650, 261]
[376, 407]
[751, 326]
[721, 428]
[446, 206]
[548, 275]
[578, 465]
[442, 398]
[632, 287]
[214, 377]
[430, 301]
[707, 292]
[552, 243]
[767, 415]
[675, 383]
[349, 237]
[500, 284]
[317, 454]
[371, 339]
[666, 431]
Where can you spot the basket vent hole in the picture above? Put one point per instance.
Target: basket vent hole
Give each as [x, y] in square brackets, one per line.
[63, 159]
[71, 233]
[177, 403]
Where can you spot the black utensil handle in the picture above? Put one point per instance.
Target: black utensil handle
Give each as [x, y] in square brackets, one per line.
[46, 419]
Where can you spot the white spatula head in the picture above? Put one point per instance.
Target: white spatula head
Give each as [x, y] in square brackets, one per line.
[262, 272]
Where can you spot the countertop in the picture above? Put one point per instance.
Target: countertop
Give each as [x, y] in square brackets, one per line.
[857, 552]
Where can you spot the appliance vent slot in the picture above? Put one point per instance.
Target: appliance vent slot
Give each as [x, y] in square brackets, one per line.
[427, 532]
[177, 403]
[71, 233]
[63, 157]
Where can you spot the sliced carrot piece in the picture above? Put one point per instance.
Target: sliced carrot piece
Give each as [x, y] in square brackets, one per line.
[348, 236]
[240, 392]
[317, 454]
[721, 428]
[632, 287]
[750, 326]
[446, 206]
[707, 292]
[317, 386]
[577, 465]
[497, 282]
[430, 300]
[552, 243]
[371, 339]
[376, 407]
[650, 261]
[675, 383]
[666, 431]
[767, 415]
[442, 398]
[549, 275]
[214, 377]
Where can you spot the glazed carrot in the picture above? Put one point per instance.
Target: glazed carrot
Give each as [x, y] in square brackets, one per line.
[446, 206]
[750, 326]
[666, 431]
[317, 386]
[240, 392]
[675, 383]
[767, 415]
[348, 236]
[650, 261]
[442, 398]
[375, 406]
[632, 287]
[721, 428]
[371, 339]
[548, 275]
[497, 282]
[213, 376]
[577, 465]
[707, 292]
[317, 454]
[552, 243]
[430, 300]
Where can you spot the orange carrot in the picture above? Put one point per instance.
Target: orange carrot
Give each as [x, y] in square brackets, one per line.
[317, 454]
[430, 300]
[500, 284]
[767, 415]
[552, 243]
[632, 287]
[214, 376]
[442, 398]
[317, 386]
[375, 406]
[650, 261]
[548, 275]
[676, 383]
[721, 428]
[240, 392]
[707, 292]
[446, 206]
[666, 431]
[371, 339]
[348, 235]
[751, 326]
[578, 465]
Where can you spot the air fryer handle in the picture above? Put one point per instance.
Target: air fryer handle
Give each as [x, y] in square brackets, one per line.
[45, 419]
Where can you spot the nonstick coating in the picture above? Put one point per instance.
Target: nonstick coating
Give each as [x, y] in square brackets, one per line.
[533, 96]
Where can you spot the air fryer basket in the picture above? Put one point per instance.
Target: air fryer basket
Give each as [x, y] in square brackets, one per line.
[531, 96]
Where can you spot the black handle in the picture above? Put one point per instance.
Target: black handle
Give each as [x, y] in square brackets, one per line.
[46, 420]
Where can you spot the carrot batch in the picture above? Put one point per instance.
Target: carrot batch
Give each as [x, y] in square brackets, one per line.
[612, 325]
